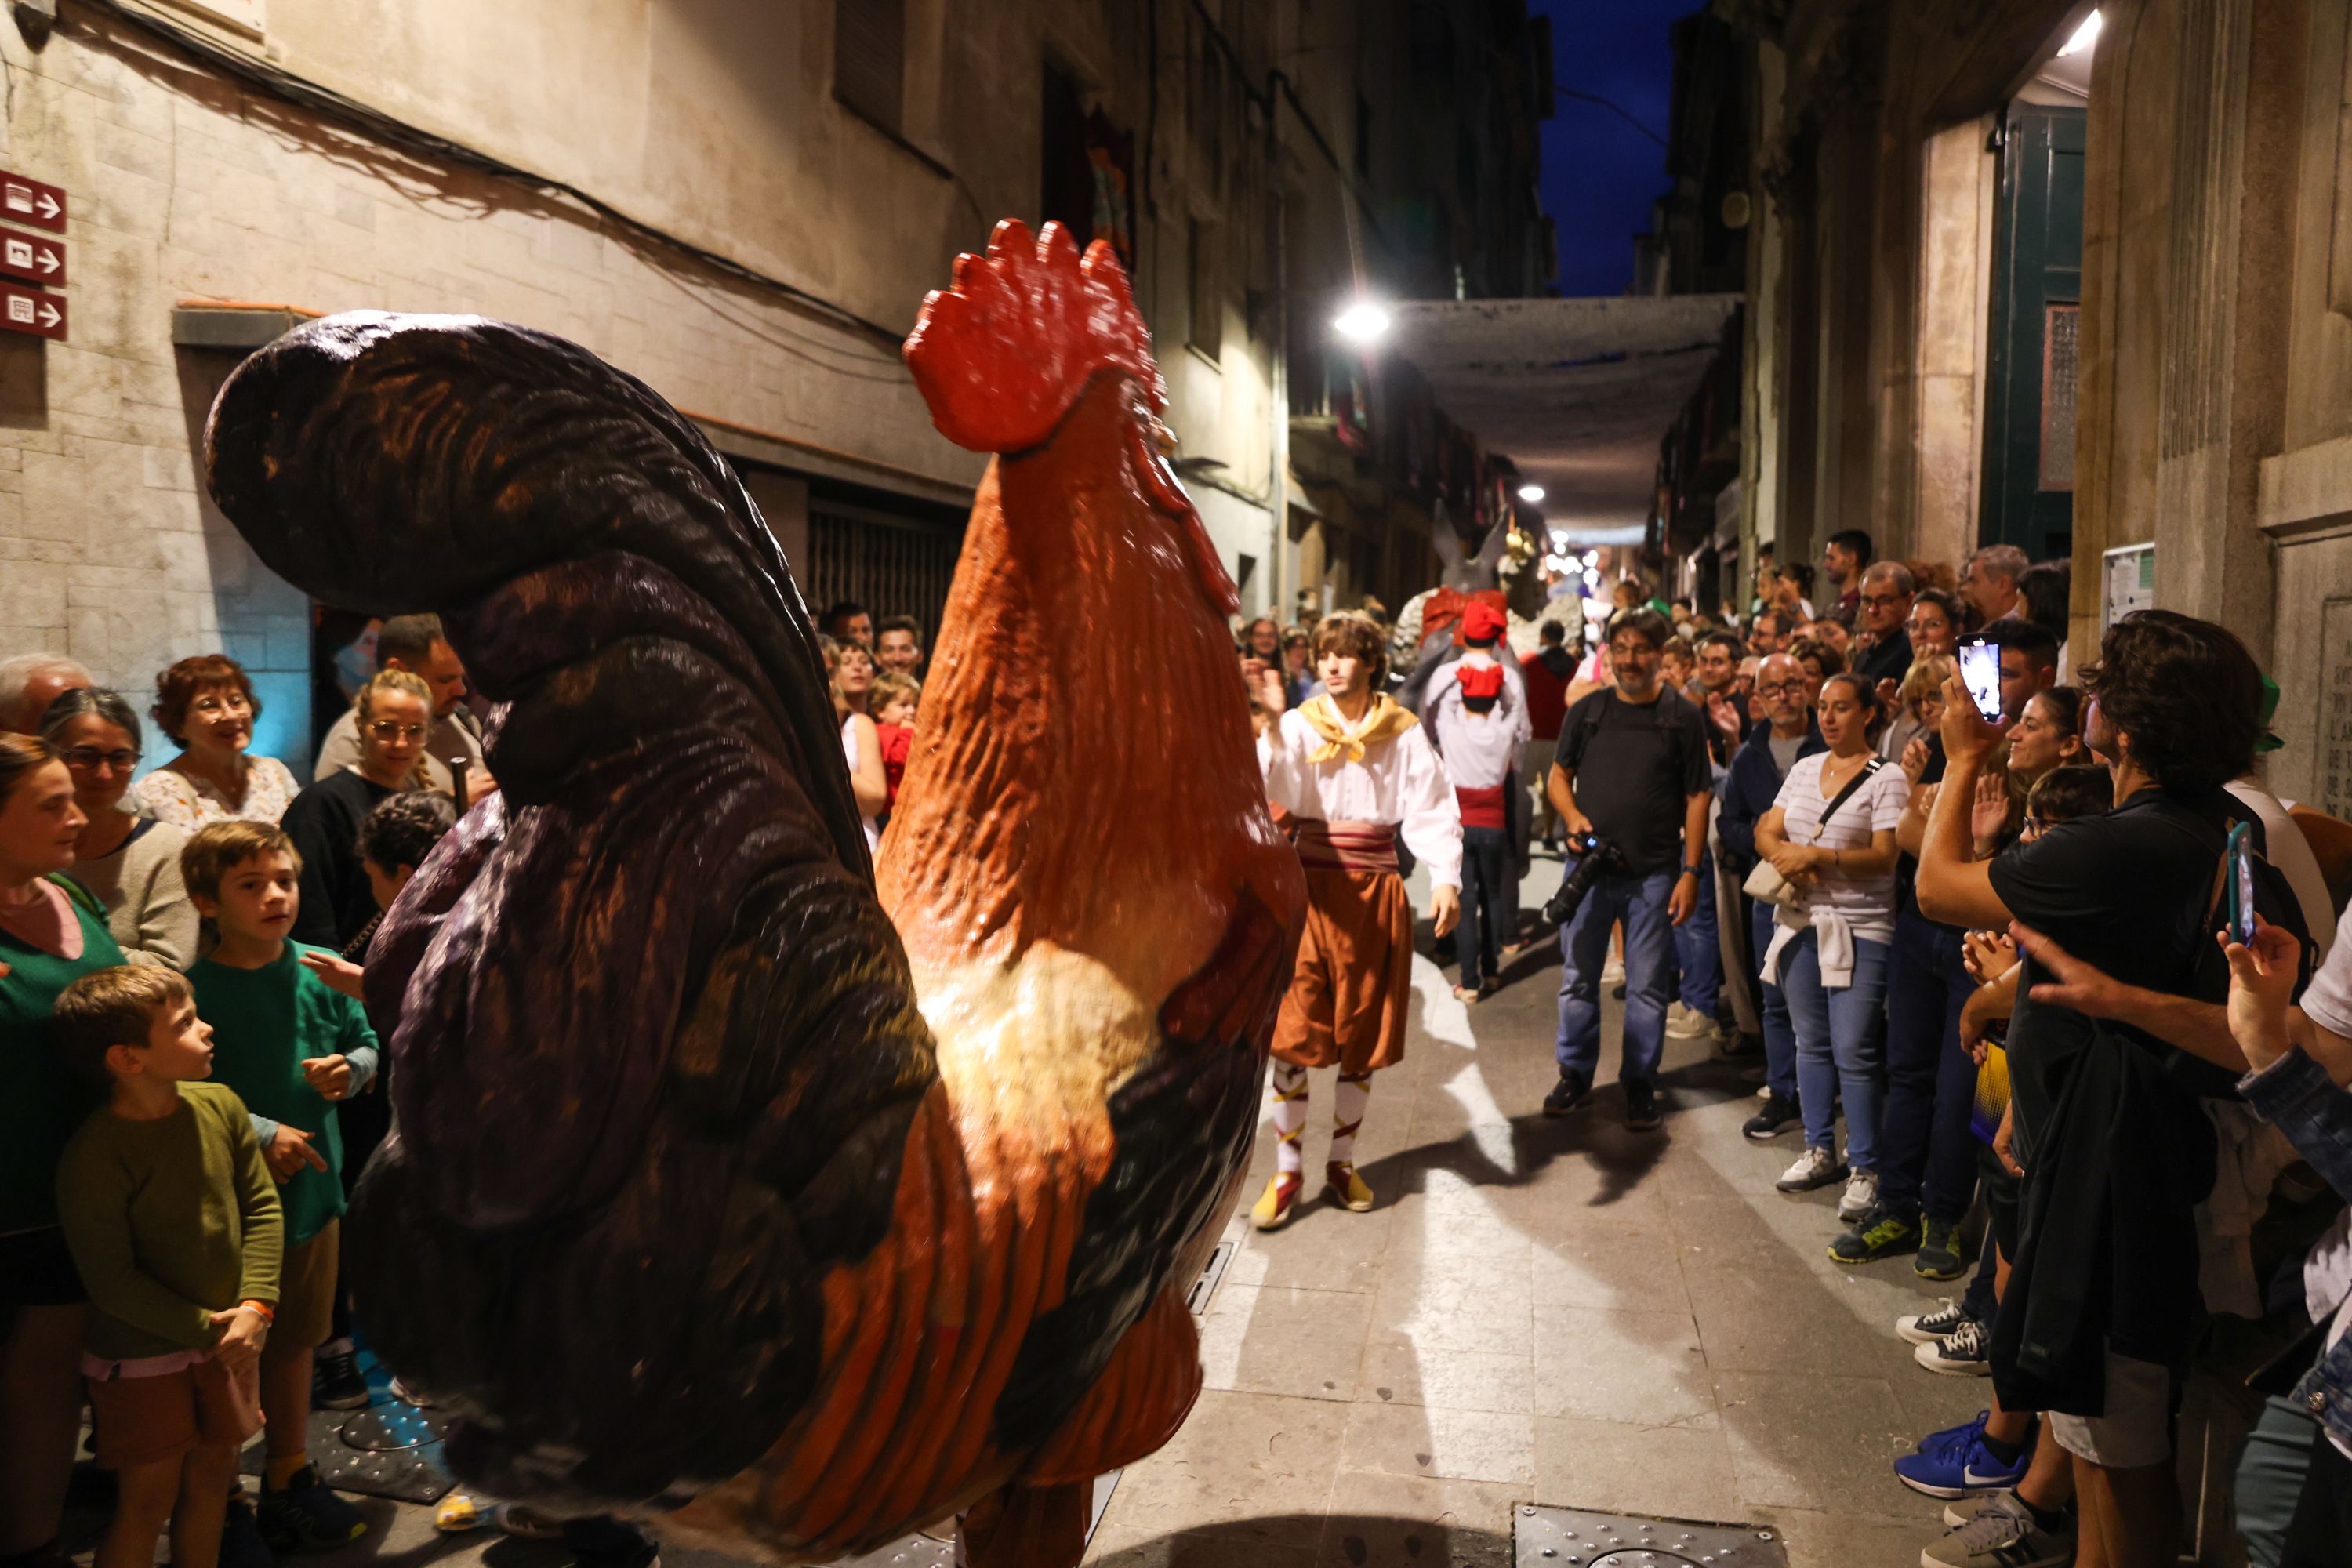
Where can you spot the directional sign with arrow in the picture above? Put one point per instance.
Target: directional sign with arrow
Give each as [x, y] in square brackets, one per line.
[30, 310]
[32, 257]
[30, 200]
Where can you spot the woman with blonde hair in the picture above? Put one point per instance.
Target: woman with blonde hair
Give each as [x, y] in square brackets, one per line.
[394, 711]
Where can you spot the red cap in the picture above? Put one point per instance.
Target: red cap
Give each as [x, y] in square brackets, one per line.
[1481, 622]
[1480, 680]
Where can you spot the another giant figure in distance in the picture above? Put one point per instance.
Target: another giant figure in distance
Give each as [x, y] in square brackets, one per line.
[731, 1190]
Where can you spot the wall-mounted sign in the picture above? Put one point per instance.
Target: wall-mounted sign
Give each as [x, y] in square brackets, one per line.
[34, 257]
[29, 200]
[30, 310]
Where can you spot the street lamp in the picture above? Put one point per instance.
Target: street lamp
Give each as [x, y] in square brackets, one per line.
[1364, 322]
[1532, 493]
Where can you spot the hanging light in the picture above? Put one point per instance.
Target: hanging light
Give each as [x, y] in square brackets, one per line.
[2084, 38]
[1364, 321]
[1532, 493]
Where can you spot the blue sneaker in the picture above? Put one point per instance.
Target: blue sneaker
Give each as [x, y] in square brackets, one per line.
[1958, 1436]
[1958, 1465]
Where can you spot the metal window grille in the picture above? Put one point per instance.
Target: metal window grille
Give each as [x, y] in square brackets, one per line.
[869, 59]
[892, 565]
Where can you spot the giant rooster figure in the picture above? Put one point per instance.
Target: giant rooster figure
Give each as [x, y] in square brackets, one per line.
[724, 1192]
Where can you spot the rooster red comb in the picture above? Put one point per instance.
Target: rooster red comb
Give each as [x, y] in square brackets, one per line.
[1002, 353]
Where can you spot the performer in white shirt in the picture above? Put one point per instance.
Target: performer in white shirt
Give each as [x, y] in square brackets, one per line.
[1354, 769]
[1478, 707]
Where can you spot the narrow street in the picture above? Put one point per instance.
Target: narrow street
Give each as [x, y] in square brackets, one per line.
[1552, 1311]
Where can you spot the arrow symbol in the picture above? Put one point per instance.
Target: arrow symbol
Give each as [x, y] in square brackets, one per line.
[48, 260]
[49, 204]
[48, 314]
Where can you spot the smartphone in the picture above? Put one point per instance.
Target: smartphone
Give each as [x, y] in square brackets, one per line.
[1981, 673]
[2238, 860]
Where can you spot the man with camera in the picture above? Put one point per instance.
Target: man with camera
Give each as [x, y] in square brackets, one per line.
[1632, 785]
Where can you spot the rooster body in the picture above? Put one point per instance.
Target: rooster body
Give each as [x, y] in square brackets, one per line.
[727, 1191]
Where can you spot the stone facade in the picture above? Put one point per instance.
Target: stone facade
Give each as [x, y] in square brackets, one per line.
[196, 179]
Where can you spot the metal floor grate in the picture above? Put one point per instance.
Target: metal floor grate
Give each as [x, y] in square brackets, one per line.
[1577, 1538]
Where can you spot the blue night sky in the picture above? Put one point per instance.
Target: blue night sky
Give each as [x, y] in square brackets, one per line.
[1600, 175]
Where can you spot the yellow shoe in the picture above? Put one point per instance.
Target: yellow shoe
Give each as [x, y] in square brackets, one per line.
[1346, 1187]
[1274, 1205]
[457, 1514]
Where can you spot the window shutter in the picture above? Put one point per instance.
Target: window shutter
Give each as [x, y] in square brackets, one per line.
[869, 59]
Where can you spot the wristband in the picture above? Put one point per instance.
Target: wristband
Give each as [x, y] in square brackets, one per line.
[258, 1309]
[1690, 871]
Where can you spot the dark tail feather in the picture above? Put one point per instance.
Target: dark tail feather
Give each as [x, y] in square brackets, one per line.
[654, 1045]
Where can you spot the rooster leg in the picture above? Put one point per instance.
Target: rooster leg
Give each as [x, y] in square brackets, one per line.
[1026, 1527]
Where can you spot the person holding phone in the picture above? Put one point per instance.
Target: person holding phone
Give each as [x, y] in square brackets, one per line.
[2098, 1319]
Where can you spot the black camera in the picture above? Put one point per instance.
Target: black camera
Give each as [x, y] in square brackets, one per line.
[1593, 855]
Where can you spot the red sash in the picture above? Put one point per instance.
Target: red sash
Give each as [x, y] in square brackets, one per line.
[1346, 846]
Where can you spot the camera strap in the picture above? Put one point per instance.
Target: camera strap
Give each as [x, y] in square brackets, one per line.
[1869, 770]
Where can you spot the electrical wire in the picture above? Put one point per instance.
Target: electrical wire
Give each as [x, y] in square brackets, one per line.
[394, 132]
[1619, 110]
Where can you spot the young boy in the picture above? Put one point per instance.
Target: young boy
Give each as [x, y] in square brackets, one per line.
[1356, 773]
[174, 1225]
[291, 1045]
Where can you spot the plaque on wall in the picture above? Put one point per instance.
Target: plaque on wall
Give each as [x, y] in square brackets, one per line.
[2334, 727]
[2061, 369]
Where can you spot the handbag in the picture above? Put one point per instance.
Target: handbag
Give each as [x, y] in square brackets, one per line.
[1765, 885]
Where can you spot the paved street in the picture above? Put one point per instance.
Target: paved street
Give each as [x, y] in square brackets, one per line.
[1562, 1312]
[1553, 1311]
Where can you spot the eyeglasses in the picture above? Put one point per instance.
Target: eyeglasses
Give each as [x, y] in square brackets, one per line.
[1777, 687]
[88, 759]
[1878, 601]
[222, 702]
[385, 730]
[2034, 825]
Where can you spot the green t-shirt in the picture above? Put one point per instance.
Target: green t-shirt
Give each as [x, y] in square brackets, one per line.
[44, 1100]
[266, 1023]
[169, 1221]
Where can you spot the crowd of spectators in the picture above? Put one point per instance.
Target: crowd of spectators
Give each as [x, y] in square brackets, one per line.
[1977, 966]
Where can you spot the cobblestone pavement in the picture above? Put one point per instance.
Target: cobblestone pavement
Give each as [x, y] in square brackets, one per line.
[1537, 1311]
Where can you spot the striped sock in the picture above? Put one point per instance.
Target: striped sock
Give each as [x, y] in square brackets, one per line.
[1289, 1119]
[1347, 1114]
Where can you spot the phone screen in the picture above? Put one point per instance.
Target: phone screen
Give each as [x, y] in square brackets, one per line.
[1980, 672]
[2241, 884]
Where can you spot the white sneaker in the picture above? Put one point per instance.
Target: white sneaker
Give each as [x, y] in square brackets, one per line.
[1612, 973]
[1687, 1023]
[1860, 1196]
[1813, 1168]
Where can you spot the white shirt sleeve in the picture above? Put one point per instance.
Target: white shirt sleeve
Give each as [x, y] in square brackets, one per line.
[1515, 696]
[1289, 779]
[2327, 1000]
[1430, 820]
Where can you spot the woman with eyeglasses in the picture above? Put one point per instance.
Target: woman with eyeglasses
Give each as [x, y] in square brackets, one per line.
[393, 711]
[132, 862]
[206, 705]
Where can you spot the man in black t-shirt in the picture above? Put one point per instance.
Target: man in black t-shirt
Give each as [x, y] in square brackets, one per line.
[2096, 1322]
[1631, 769]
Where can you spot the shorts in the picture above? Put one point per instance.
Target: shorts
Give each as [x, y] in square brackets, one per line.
[2003, 1194]
[142, 1420]
[2136, 1430]
[306, 1295]
[35, 1270]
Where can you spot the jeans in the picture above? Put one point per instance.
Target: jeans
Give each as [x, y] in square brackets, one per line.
[1930, 1162]
[1489, 900]
[1697, 949]
[1839, 1045]
[1641, 903]
[1780, 1034]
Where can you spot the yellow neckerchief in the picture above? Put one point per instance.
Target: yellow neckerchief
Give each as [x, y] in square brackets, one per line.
[1385, 721]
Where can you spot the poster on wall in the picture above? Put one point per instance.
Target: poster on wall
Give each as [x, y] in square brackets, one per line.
[2130, 582]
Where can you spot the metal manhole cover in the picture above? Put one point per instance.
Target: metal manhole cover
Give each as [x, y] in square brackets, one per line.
[387, 1428]
[1577, 1538]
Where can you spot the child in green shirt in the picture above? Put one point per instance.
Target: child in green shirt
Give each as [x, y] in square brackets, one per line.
[175, 1230]
[290, 1047]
